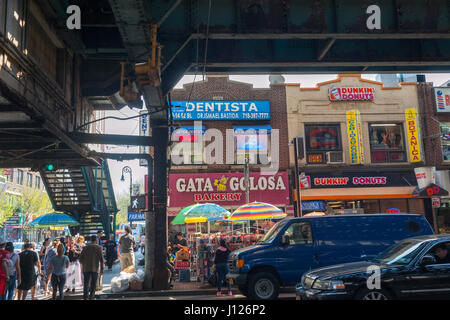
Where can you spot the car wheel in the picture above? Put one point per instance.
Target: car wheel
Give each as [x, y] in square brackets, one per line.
[263, 286]
[244, 290]
[366, 294]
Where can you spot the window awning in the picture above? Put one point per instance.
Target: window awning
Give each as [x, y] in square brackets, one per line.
[243, 129]
[358, 193]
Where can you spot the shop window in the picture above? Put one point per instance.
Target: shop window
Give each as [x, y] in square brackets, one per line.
[322, 139]
[188, 145]
[386, 143]
[445, 140]
[299, 233]
[254, 141]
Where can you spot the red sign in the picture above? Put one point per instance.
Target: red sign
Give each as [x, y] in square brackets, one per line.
[7, 172]
[182, 265]
[393, 210]
[227, 189]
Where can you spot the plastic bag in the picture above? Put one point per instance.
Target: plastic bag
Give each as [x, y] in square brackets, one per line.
[140, 275]
[121, 283]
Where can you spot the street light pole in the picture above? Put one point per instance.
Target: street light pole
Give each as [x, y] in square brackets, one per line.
[127, 169]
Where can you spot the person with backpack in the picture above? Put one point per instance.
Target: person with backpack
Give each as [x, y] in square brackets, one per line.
[58, 265]
[221, 266]
[4, 262]
[13, 271]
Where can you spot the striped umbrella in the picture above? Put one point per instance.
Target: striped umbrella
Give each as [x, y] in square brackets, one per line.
[54, 219]
[256, 211]
[198, 213]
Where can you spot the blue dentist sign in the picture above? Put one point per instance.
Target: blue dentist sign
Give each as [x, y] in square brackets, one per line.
[221, 110]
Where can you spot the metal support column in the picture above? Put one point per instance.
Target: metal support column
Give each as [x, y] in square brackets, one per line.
[159, 250]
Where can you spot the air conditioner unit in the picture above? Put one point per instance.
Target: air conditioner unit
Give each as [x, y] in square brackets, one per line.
[335, 157]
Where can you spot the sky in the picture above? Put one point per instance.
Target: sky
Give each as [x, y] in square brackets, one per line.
[131, 127]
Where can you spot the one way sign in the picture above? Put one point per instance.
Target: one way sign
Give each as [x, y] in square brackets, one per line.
[138, 203]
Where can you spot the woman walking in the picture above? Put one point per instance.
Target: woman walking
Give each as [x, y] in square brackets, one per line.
[74, 271]
[50, 254]
[58, 265]
[221, 266]
[13, 270]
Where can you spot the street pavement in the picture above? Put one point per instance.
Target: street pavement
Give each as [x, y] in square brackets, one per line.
[283, 296]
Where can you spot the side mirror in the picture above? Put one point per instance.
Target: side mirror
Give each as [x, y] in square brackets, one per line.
[285, 240]
[427, 259]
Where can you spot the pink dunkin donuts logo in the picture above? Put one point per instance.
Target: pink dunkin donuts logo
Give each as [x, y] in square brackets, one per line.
[341, 94]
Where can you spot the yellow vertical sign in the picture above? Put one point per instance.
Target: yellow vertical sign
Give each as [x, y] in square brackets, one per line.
[413, 135]
[354, 137]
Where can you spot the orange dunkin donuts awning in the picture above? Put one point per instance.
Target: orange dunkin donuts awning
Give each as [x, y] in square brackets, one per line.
[357, 193]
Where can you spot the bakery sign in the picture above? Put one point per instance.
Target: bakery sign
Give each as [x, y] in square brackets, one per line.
[350, 93]
[227, 188]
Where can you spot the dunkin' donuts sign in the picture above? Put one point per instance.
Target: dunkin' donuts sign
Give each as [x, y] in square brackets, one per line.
[351, 93]
[227, 188]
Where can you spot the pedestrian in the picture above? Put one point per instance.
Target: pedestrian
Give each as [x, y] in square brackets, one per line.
[51, 252]
[142, 244]
[179, 243]
[221, 266]
[126, 248]
[74, 271]
[28, 260]
[111, 251]
[4, 263]
[37, 272]
[25, 243]
[58, 265]
[13, 271]
[92, 263]
[43, 250]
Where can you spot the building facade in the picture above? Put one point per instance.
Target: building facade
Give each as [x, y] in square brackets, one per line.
[243, 120]
[362, 141]
[434, 104]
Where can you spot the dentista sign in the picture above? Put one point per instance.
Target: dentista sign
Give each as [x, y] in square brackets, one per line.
[221, 110]
[227, 188]
[351, 93]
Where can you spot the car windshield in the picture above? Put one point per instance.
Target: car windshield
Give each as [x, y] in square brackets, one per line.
[401, 253]
[272, 233]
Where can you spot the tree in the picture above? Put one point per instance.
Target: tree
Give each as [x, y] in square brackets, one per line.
[34, 202]
[123, 202]
[8, 205]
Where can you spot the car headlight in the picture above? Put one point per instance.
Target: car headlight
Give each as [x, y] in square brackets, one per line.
[328, 285]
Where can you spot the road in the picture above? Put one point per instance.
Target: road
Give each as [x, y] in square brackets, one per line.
[283, 296]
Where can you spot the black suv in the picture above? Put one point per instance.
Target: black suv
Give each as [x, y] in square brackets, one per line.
[413, 268]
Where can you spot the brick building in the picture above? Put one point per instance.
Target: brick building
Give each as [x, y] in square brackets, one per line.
[256, 121]
[434, 106]
[360, 151]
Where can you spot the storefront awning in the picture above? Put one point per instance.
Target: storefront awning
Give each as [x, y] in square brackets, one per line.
[357, 193]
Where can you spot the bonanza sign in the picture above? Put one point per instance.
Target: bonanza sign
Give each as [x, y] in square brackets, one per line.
[227, 189]
[413, 135]
[351, 94]
[355, 137]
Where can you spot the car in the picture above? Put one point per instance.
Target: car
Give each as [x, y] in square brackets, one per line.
[406, 270]
[18, 247]
[296, 245]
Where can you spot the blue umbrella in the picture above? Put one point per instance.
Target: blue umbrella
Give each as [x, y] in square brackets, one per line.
[54, 219]
[206, 212]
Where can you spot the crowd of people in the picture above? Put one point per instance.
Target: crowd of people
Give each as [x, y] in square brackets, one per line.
[61, 265]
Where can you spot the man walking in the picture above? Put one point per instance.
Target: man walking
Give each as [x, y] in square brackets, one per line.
[126, 249]
[92, 262]
[28, 260]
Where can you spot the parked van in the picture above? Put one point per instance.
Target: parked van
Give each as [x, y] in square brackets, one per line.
[296, 245]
